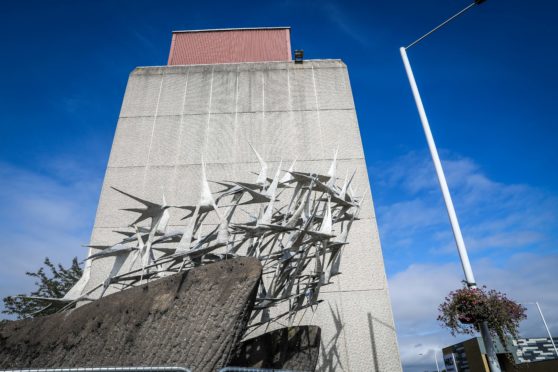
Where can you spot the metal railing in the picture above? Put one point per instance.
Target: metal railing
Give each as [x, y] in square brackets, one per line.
[102, 369]
[244, 369]
[141, 369]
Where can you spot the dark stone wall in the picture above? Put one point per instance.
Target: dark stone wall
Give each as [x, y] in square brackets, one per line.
[291, 348]
[193, 319]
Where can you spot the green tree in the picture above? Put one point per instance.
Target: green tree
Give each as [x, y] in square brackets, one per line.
[53, 285]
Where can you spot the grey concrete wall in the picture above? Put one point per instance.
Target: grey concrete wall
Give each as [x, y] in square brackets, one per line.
[171, 115]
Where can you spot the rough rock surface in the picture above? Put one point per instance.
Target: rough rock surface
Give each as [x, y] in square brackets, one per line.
[193, 319]
[291, 348]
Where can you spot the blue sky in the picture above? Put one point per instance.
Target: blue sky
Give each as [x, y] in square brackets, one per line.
[488, 83]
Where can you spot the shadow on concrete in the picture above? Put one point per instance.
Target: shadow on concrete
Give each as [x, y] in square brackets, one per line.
[331, 360]
[373, 342]
[291, 348]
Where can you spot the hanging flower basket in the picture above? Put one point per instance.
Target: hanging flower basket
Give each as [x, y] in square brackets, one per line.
[467, 319]
[465, 309]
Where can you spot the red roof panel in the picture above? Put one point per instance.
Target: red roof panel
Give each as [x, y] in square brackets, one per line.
[230, 46]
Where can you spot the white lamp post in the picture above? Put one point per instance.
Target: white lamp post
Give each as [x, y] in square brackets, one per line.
[547, 329]
[436, 360]
[454, 362]
[465, 263]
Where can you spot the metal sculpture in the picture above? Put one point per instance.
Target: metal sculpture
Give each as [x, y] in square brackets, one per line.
[300, 243]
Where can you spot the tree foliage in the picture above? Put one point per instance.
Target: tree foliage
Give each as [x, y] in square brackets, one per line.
[49, 285]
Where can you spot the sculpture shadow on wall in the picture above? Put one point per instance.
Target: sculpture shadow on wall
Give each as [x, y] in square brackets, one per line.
[373, 342]
[290, 348]
[330, 358]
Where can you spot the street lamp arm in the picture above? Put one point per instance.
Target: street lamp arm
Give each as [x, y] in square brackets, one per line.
[476, 2]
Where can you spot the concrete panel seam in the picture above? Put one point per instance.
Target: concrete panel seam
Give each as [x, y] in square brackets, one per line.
[223, 163]
[239, 112]
[318, 111]
[177, 158]
[152, 132]
[382, 288]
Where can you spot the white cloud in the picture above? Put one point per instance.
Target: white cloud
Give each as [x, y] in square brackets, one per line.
[493, 215]
[349, 26]
[42, 215]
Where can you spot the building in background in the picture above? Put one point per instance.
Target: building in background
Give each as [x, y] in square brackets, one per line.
[524, 354]
[221, 91]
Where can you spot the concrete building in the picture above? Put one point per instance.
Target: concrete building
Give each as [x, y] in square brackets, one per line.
[215, 102]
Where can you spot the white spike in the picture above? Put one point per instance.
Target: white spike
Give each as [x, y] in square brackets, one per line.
[273, 187]
[343, 191]
[163, 222]
[348, 188]
[186, 240]
[266, 219]
[206, 198]
[288, 177]
[294, 218]
[138, 237]
[326, 227]
[147, 257]
[223, 233]
[333, 168]
[306, 211]
[262, 177]
[138, 252]
[76, 291]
